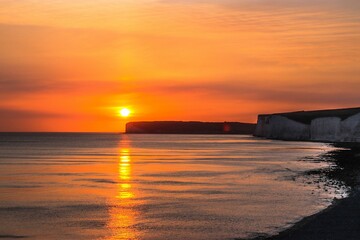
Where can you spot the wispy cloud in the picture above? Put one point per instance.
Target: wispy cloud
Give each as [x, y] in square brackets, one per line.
[335, 93]
[274, 4]
[8, 113]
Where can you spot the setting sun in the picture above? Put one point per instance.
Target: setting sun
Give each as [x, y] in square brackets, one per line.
[125, 112]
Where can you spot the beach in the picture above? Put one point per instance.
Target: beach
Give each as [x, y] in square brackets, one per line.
[341, 219]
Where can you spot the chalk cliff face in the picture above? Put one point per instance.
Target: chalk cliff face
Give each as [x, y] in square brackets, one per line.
[279, 127]
[350, 129]
[337, 126]
[325, 129]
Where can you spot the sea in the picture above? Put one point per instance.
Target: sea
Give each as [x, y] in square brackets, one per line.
[121, 186]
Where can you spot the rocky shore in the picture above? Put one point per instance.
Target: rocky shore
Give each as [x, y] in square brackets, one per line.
[340, 220]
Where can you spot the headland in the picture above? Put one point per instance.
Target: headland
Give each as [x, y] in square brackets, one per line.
[193, 127]
[340, 126]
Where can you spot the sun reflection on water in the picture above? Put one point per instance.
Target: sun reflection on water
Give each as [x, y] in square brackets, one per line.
[123, 213]
[124, 186]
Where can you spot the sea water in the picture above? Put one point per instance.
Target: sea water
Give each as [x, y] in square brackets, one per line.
[118, 186]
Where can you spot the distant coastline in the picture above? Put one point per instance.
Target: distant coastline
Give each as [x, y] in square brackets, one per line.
[191, 127]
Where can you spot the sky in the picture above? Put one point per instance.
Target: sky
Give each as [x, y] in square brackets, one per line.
[72, 65]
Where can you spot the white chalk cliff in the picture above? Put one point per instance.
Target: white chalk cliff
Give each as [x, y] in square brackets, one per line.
[337, 126]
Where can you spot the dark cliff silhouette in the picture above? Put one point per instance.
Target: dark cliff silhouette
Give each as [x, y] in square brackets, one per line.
[179, 127]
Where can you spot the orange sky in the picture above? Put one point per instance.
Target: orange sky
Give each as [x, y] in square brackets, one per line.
[70, 65]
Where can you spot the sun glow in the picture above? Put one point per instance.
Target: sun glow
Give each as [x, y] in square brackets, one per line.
[124, 112]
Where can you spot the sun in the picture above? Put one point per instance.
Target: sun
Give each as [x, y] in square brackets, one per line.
[124, 112]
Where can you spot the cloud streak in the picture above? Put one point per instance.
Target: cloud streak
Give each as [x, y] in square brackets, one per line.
[335, 93]
[8, 113]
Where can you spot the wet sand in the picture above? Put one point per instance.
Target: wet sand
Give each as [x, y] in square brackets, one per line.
[342, 219]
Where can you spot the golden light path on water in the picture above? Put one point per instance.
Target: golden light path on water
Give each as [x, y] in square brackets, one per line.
[123, 213]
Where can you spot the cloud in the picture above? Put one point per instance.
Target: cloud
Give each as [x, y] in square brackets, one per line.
[273, 4]
[40, 59]
[12, 88]
[7, 113]
[10, 85]
[332, 93]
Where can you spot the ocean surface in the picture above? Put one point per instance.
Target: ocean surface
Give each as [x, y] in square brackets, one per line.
[117, 186]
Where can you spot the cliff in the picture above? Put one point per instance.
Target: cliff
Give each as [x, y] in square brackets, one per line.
[335, 126]
[178, 127]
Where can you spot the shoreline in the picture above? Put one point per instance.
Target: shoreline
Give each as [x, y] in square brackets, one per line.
[340, 220]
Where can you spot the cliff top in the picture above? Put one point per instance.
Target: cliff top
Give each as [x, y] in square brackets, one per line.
[307, 116]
